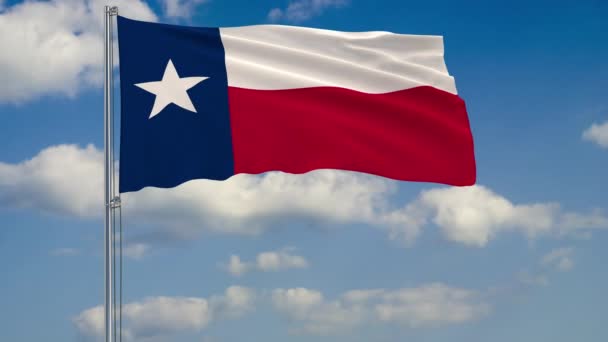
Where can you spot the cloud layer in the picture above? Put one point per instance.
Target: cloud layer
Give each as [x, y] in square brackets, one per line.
[428, 305]
[56, 46]
[163, 316]
[308, 310]
[67, 179]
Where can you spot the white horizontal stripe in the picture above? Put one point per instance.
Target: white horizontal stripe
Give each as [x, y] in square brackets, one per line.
[271, 57]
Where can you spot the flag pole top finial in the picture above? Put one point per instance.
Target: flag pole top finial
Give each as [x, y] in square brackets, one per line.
[112, 10]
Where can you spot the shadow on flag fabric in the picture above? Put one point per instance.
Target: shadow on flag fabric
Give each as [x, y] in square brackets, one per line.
[210, 103]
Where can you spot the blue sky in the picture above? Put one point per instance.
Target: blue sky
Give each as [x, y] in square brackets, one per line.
[329, 256]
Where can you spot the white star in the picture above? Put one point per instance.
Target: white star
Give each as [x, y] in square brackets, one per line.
[171, 89]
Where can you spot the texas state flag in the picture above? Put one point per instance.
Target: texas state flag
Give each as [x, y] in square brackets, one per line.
[200, 102]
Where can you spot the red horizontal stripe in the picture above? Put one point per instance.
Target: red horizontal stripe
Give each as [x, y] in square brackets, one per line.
[418, 134]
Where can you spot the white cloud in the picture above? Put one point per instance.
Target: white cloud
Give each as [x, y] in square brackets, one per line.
[236, 267]
[280, 260]
[180, 8]
[302, 10]
[67, 251]
[248, 204]
[427, 305]
[164, 316]
[158, 316]
[296, 301]
[560, 259]
[67, 179]
[475, 215]
[55, 47]
[61, 179]
[597, 133]
[234, 303]
[430, 305]
[314, 313]
[308, 310]
[271, 261]
[90, 322]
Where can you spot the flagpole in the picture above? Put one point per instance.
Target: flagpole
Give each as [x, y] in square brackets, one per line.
[109, 173]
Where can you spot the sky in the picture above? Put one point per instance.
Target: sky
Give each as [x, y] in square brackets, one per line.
[329, 255]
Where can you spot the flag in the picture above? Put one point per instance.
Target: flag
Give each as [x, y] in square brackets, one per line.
[199, 102]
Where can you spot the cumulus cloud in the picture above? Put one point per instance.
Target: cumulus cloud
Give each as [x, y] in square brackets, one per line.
[597, 133]
[428, 305]
[248, 204]
[234, 303]
[62, 179]
[164, 316]
[236, 267]
[280, 260]
[313, 314]
[271, 261]
[302, 10]
[434, 304]
[68, 179]
[475, 215]
[308, 310]
[180, 8]
[55, 47]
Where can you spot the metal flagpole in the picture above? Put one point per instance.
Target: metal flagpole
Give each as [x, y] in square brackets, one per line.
[109, 199]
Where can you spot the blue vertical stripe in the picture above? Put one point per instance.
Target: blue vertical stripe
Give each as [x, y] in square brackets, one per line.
[176, 145]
